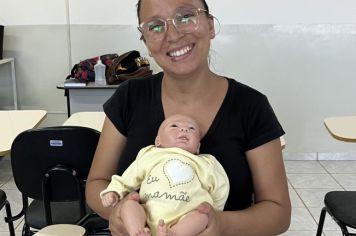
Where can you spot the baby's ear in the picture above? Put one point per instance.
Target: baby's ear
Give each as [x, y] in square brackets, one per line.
[157, 141]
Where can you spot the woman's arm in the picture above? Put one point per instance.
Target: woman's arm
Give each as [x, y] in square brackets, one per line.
[105, 163]
[270, 215]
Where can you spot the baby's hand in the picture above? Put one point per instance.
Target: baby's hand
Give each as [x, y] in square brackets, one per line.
[110, 199]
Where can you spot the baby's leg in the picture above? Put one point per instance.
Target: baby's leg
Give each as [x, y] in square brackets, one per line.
[191, 224]
[134, 217]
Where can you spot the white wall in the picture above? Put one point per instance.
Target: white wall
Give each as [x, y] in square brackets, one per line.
[300, 53]
[33, 12]
[122, 12]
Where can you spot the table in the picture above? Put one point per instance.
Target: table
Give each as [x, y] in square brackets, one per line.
[283, 142]
[94, 120]
[14, 122]
[342, 127]
[88, 98]
[13, 78]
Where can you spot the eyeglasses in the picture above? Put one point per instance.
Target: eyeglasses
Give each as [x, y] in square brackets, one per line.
[185, 21]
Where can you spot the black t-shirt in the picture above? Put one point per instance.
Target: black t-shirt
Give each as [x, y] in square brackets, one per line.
[244, 121]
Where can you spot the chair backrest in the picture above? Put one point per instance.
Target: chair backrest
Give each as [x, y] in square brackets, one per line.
[37, 153]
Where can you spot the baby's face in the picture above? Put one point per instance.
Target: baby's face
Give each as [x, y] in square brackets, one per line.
[179, 131]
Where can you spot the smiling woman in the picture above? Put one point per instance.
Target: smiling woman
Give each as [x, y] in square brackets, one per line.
[237, 126]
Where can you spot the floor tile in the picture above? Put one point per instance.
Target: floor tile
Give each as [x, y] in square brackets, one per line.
[332, 233]
[339, 167]
[329, 223]
[347, 181]
[295, 199]
[312, 181]
[302, 220]
[299, 233]
[304, 167]
[313, 197]
[9, 185]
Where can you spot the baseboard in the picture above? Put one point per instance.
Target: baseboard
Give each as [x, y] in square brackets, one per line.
[300, 156]
[320, 156]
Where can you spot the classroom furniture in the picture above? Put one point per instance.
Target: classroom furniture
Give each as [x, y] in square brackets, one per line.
[342, 127]
[14, 122]
[11, 61]
[51, 165]
[283, 142]
[340, 205]
[88, 98]
[5, 203]
[94, 119]
[62, 230]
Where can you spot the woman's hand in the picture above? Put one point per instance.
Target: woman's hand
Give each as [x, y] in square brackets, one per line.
[214, 223]
[116, 225]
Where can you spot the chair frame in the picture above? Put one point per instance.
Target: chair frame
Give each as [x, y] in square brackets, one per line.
[55, 174]
[343, 227]
[6, 203]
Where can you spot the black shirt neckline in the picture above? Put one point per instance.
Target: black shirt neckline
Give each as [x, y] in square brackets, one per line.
[217, 117]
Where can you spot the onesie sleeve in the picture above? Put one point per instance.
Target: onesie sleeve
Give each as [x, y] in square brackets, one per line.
[216, 182]
[130, 180]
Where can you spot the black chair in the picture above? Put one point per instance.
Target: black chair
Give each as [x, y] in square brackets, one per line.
[341, 206]
[50, 165]
[5, 202]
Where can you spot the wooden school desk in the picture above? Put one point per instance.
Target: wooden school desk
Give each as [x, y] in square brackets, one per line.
[93, 119]
[14, 122]
[342, 127]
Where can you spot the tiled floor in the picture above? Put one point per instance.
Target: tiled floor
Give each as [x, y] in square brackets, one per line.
[308, 183]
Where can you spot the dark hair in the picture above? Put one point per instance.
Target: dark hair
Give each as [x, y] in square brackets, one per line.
[138, 5]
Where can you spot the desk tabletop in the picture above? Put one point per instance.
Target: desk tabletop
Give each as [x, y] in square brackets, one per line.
[13, 122]
[6, 60]
[94, 119]
[342, 127]
[90, 85]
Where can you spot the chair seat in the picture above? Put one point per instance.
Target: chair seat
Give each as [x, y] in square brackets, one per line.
[342, 204]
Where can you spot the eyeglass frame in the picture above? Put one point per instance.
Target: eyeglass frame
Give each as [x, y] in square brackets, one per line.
[196, 10]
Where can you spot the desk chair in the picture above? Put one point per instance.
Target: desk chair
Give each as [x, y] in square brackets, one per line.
[5, 202]
[341, 206]
[51, 165]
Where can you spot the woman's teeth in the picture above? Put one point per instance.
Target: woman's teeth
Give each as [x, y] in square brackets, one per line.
[180, 52]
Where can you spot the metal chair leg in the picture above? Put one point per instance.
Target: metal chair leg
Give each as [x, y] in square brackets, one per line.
[321, 222]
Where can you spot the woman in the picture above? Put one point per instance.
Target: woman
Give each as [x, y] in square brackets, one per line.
[238, 125]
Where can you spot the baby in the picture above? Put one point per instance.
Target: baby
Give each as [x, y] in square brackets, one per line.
[173, 180]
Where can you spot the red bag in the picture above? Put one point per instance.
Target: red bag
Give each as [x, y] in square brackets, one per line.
[84, 70]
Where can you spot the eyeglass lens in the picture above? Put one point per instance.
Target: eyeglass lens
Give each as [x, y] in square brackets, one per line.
[185, 21]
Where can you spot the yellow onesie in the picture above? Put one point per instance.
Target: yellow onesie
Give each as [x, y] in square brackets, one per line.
[172, 182]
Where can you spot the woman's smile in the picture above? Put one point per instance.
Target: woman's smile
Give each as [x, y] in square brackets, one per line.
[181, 52]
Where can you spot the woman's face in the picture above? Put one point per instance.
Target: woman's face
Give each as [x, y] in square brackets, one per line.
[178, 53]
